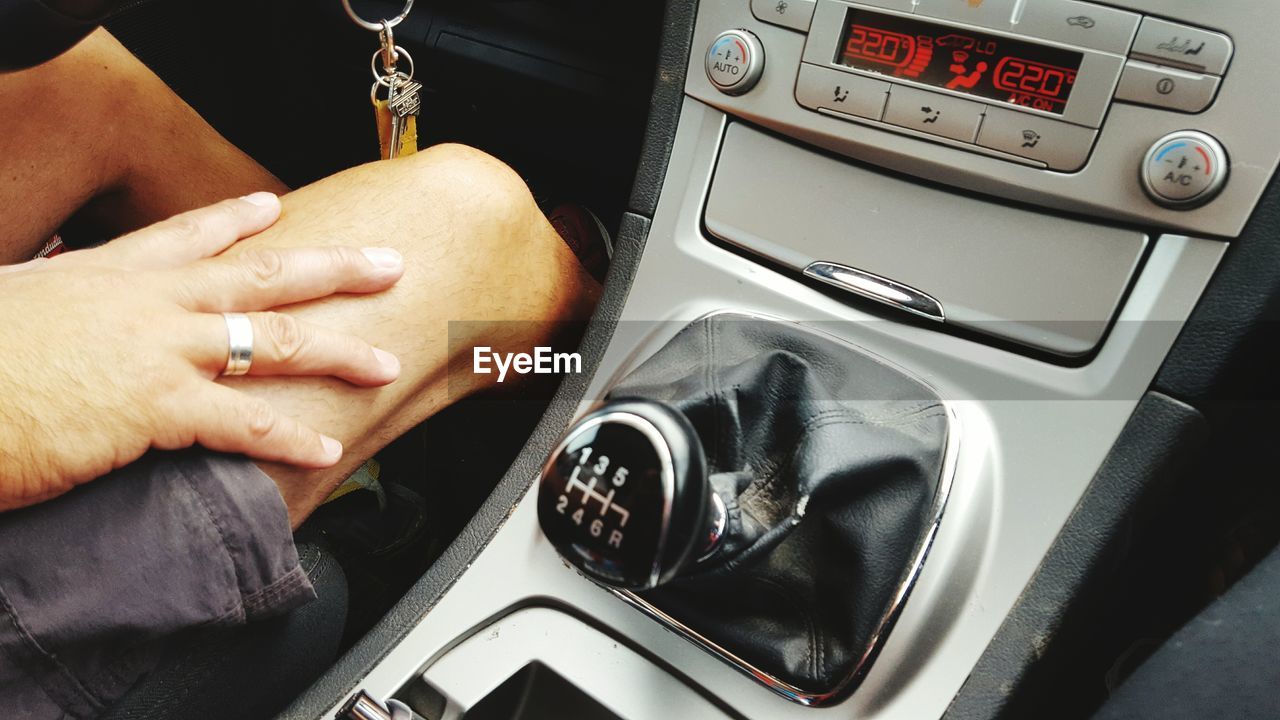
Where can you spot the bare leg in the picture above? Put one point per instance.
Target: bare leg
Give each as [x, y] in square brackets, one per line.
[111, 136]
[476, 249]
[95, 129]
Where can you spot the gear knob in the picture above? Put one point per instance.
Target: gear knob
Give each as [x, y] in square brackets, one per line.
[625, 496]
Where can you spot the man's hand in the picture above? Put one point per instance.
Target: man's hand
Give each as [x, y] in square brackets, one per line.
[111, 351]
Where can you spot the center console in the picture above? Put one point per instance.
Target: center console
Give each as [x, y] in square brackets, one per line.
[1135, 114]
[913, 267]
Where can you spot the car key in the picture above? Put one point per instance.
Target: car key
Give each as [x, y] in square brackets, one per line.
[397, 115]
[404, 100]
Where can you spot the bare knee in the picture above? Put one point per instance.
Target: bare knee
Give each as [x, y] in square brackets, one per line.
[500, 239]
[477, 183]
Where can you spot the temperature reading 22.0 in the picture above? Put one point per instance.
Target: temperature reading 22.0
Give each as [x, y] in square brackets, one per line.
[1034, 84]
[996, 68]
[891, 49]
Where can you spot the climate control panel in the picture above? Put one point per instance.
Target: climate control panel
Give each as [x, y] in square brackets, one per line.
[1053, 103]
[1031, 82]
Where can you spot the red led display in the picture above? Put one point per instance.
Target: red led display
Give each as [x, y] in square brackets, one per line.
[996, 68]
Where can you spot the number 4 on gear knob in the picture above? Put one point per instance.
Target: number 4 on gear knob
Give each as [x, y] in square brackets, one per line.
[625, 496]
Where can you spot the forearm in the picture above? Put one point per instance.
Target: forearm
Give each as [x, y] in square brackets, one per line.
[58, 428]
[23, 460]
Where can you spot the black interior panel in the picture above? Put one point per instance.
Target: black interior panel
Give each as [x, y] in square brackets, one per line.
[558, 90]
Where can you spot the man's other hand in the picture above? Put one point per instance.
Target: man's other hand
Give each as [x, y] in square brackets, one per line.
[112, 351]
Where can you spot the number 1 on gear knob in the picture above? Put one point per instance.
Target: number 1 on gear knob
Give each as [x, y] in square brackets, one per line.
[625, 496]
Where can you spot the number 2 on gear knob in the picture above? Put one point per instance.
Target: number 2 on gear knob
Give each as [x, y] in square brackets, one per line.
[625, 497]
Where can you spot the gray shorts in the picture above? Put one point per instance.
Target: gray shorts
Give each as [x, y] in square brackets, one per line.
[91, 583]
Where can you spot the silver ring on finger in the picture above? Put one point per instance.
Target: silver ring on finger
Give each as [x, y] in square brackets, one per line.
[239, 344]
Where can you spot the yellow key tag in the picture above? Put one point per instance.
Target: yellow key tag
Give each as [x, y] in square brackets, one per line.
[386, 118]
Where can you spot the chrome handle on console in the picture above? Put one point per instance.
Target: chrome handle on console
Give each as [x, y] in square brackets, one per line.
[880, 289]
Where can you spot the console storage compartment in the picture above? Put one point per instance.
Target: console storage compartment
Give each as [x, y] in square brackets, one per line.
[1052, 283]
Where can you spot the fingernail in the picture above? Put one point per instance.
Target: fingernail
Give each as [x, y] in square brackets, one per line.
[384, 258]
[389, 361]
[261, 199]
[332, 448]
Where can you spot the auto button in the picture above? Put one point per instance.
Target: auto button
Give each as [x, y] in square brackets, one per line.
[735, 61]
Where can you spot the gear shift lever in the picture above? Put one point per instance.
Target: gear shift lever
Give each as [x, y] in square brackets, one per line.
[831, 464]
[625, 496]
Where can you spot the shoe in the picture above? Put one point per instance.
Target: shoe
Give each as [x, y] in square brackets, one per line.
[372, 517]
[586, 236]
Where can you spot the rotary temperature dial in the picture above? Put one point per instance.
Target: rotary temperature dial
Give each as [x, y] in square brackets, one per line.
[625, 497]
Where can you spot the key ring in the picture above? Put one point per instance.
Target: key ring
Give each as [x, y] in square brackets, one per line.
[381, 79]
[384, 81]
[375, 27]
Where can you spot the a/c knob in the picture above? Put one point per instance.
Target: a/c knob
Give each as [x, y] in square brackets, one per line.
[1185, 169]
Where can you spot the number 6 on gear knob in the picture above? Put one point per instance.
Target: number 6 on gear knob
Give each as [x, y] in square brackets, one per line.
[625, 496]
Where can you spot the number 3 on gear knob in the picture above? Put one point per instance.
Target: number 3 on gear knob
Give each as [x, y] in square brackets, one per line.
[625, 496]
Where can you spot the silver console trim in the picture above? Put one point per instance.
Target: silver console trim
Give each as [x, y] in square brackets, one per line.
[850, 683]
[880, 289]
[618, 675]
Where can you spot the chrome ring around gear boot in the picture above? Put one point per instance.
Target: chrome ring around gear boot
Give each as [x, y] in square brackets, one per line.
[239, 343]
